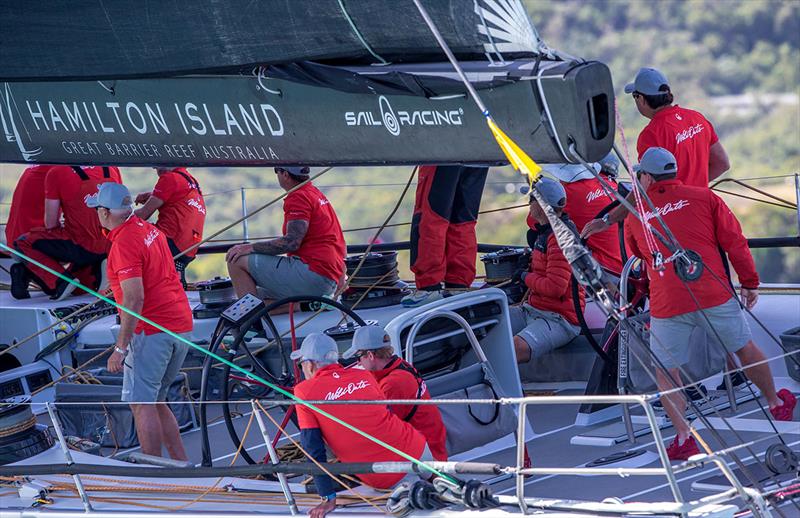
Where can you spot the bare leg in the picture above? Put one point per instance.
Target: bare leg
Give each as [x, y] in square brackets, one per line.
[674, 403]
[170, 433]
[522, 350]
[148, 428]
[759, 374]
[242, 282]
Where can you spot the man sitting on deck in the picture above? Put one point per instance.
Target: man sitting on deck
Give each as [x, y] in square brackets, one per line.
[325, 379]
[701, 222]
[548, 320]
[398, 379]
[313, 243]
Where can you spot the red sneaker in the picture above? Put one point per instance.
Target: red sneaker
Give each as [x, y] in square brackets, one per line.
[683, 451]
[786, 410]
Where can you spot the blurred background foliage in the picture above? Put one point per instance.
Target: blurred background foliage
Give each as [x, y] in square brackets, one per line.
[736, 61]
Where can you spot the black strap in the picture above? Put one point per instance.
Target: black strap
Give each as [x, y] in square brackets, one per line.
[496, 406]
[106, 172]
[192, 182]
[80, 172]
[403, 366]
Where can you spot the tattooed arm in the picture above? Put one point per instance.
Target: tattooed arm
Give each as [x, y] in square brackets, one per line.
[295, 232]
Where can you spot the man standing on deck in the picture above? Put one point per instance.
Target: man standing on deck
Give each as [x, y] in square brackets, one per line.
[181, 211]
[143, 278]
[325, 379]
[399, 379]
[548, 319]
[80, 241]
[443, 243]
[312, 241]
[701, 222]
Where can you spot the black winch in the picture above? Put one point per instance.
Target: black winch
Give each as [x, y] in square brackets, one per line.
[215, 295]
[376, 284]
[501, 266]
[20, 436]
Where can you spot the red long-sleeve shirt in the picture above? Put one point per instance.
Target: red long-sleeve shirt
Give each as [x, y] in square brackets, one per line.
[701, 222]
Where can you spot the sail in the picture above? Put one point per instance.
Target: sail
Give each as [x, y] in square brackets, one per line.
[96, 39]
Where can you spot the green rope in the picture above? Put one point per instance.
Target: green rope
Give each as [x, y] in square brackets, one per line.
[358, 34]
[231, 364]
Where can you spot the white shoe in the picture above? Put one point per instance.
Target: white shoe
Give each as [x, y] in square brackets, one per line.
[103, 277]
[421, 297]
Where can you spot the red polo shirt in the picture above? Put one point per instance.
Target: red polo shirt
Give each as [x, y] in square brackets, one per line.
[27, 204]
[334, 382]
[63, 183]
[397, 383]
[183, 213]
[685, 133]
[323, 248]
[585, 199]
[702, 222]
[139, 249]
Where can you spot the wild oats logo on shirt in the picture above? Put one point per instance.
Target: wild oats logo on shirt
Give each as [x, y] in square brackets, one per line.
[194, 202]
[150, 237]
[594, 195]
[349, 389]
[688, 133]
[667, 208]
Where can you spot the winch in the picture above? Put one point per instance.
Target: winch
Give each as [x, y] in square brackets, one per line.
[215, 295]
[501, 266]
[376, 284]
[20, 436]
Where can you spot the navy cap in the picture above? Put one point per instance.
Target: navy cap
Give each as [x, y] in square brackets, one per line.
[610, 165]
[111, 196]
[295, 170]
[657, 161]
[570, 172]
[317, 347]
[648, 82]
[552, 191]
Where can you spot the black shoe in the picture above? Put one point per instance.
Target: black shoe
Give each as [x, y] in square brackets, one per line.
[63, 290]
[738, 378]
[19, 281]
[694, 394]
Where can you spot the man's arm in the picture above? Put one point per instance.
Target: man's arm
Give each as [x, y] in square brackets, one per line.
[732, 241]
[615, 215]
[311, 439]
[52, 209]
[718, 161]
[295, 232]
[133, 299]
[150, 206]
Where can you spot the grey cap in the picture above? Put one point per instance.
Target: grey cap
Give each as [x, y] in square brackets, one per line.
[552, 191]
[111, 196]
[317, 347]
[367, 338]
[610, 165]
[295, 170]
[570, 172]
[657, 161]
[648, 82]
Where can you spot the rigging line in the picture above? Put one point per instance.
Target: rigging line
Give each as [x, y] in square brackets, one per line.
[250, 214]
[251, 375]
[358, 34]
[759, 191]
[739, 195]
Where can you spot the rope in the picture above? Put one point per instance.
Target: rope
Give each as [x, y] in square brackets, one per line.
[20, 427]
[358, 34]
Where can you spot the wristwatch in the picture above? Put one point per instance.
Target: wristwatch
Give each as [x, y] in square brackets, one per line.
[606, 219]
[123, 352]
[328, 498]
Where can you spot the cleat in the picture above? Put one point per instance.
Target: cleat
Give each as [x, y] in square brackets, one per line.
[785, 412]
[421, 297]
[682, 451]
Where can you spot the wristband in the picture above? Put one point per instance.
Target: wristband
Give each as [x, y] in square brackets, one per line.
[123, 352]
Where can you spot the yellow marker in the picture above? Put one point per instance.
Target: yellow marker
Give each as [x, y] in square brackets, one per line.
[518, 158]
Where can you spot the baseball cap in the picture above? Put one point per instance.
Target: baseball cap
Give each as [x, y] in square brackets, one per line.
[316, 347]
[610, 165]
[295, 170]
[647, 82]
[552, 191]
[657, 161]
[570, 172]
[111, 196]
[367, 338]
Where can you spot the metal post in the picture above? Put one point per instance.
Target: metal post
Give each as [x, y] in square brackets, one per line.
[662, 451]
[245, 232]
[273, 457]
[797, 198]
[87, 506]
[523, 410]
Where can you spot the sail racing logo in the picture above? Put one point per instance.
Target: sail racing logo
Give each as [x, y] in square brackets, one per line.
[393, 120]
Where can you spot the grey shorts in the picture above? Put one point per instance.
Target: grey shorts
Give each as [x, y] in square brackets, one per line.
[543, 331]
[280, 276]
[669, 337]
[152, 363]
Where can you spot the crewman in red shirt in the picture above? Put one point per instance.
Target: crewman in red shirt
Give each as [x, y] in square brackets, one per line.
[701, 222]
[326, 380]
[399, 379]
[142, 277]
[548, 319]
[181, 211]
[312, 241]
[26, 213]
[687, 134]
[443, 242]
[79, 241]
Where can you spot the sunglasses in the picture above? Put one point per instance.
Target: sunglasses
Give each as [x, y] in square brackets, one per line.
[636, 95]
